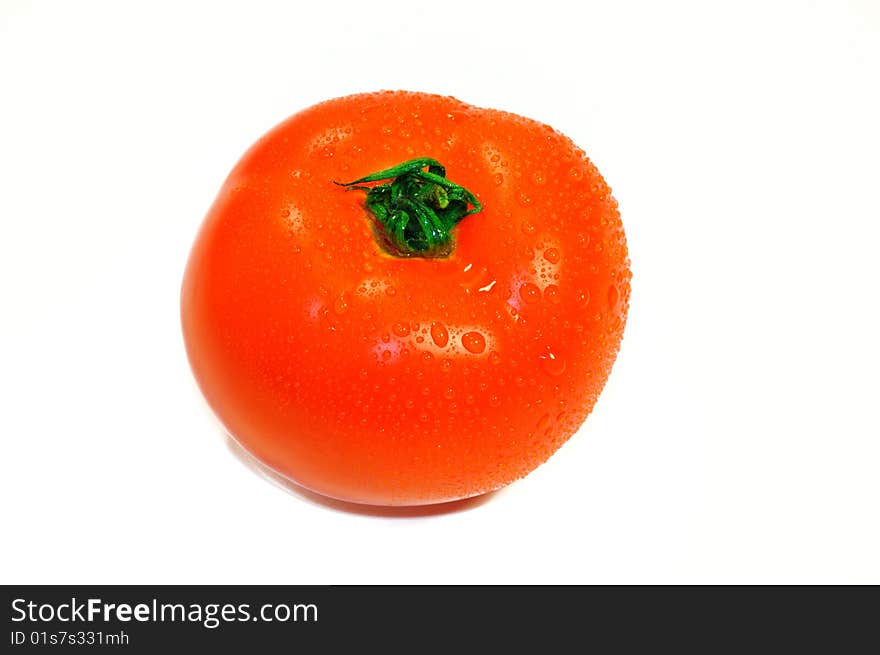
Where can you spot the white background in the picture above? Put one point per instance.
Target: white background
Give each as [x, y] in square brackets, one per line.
[738, 439]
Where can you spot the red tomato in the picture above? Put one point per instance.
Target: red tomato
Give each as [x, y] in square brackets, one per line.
[427, 336]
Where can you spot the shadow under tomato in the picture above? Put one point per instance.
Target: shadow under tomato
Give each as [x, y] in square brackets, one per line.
[415, 511]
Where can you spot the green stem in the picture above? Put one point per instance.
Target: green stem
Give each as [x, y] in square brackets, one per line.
[418, 208]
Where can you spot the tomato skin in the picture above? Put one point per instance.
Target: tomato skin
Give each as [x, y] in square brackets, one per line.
[403, 381]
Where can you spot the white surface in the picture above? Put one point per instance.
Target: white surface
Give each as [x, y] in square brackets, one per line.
[738, 439]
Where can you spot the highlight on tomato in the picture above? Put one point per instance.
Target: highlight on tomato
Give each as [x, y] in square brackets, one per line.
[398, 298]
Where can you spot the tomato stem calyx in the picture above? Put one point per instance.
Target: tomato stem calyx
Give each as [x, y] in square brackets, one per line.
[418, 208]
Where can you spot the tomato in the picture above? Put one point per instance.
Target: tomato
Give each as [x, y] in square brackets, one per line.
[426, 334]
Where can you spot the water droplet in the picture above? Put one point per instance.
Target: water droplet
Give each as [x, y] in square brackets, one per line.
[494, 358]
[551, 293]
[449, 393]
[285, 213]
[583, 298]
[530, 293]
[428, 357]
[576, 173]
[494, 400]
[495, 158]
[528, 228]
[498, 178]
[552, 364]
[400, 329]
[473, 342]
[613, 296]
[439, 335]
[538, 177]
[386, 355]
[524, 199]
[390, 291]
[475, 279]
[326, 319]
[551, 255]
[341, 303]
